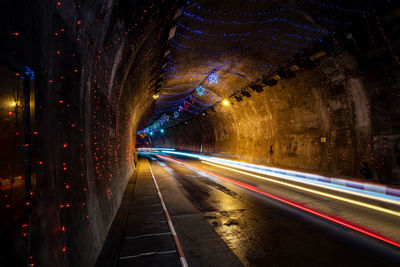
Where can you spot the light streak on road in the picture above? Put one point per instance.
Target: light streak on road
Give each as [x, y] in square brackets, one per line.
[335, 219]
[300, 177]
[355, 202]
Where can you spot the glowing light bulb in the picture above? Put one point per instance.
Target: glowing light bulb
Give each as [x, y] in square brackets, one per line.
[226, 103]
[13, 104]
[155, 96]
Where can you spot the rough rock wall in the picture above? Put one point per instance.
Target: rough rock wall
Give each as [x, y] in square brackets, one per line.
[94, 63]
[328, 119]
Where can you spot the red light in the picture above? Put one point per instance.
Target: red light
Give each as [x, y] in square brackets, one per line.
[67, 187]
[8, 205]
[63, 228]
[15, 33]
[24, 225]
[65, 145]
[65, 168]
[58, 3]
[64, 249]
[58, 52]
[10, 113]
[73, 125]
[62, 30]
[61, 206]
[40, 162]
[31, 193]
[67, 205]
[50, 81]
[60, 101]
[335, 219]
[35, 133]
[56, 33]
[76, 70]
[27, 203]
[79, 22]
[17, 74]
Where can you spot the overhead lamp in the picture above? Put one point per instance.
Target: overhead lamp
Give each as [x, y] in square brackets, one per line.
[178, 12]
[276, 77]
[155, 96]
[226, 102]
[172, 33]
[238, 98]
[269, 82]
[318, 55]
[246, 94]
[294, 68]
[256, 87]
[287, 74]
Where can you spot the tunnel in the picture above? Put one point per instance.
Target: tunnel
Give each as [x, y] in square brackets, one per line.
[200, 133]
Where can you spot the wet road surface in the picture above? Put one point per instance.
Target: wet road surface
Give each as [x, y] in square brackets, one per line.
[221, 224]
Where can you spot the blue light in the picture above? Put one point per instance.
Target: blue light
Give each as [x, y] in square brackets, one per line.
[30, 73]
[213, 78]
[176, 114]
[200, 90]
[151, 133]
[162, 130]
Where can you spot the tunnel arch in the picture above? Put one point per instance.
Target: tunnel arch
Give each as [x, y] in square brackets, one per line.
[108, 70]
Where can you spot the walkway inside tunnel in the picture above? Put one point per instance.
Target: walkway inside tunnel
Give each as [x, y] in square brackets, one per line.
[199, 133]
[225, 218]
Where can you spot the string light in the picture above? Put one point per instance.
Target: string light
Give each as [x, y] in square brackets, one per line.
[200, 90]
[213, 78]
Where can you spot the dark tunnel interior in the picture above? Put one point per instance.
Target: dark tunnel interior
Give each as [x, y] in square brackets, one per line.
[309, 85]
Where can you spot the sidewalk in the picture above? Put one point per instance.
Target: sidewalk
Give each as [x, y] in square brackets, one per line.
[147, 239]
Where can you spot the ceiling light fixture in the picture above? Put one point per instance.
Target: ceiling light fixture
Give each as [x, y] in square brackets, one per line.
[226, 102]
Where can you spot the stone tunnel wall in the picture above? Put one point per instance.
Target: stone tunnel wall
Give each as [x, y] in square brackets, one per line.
[94, 63]
[328, 119]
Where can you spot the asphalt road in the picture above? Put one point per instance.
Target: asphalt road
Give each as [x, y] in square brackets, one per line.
[222, 224]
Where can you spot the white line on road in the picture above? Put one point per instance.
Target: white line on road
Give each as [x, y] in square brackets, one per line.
[171, 227]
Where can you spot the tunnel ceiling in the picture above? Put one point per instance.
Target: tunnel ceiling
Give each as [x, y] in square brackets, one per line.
[220, 47]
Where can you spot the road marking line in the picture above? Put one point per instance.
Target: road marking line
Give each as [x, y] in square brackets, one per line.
[147, 254]
[140, 236]
[171, 227]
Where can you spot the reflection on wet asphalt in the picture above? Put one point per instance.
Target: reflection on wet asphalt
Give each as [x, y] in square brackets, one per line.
[261, 232]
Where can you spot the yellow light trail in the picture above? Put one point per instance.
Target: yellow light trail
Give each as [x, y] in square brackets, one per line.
[355, 202]
[387, 200]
